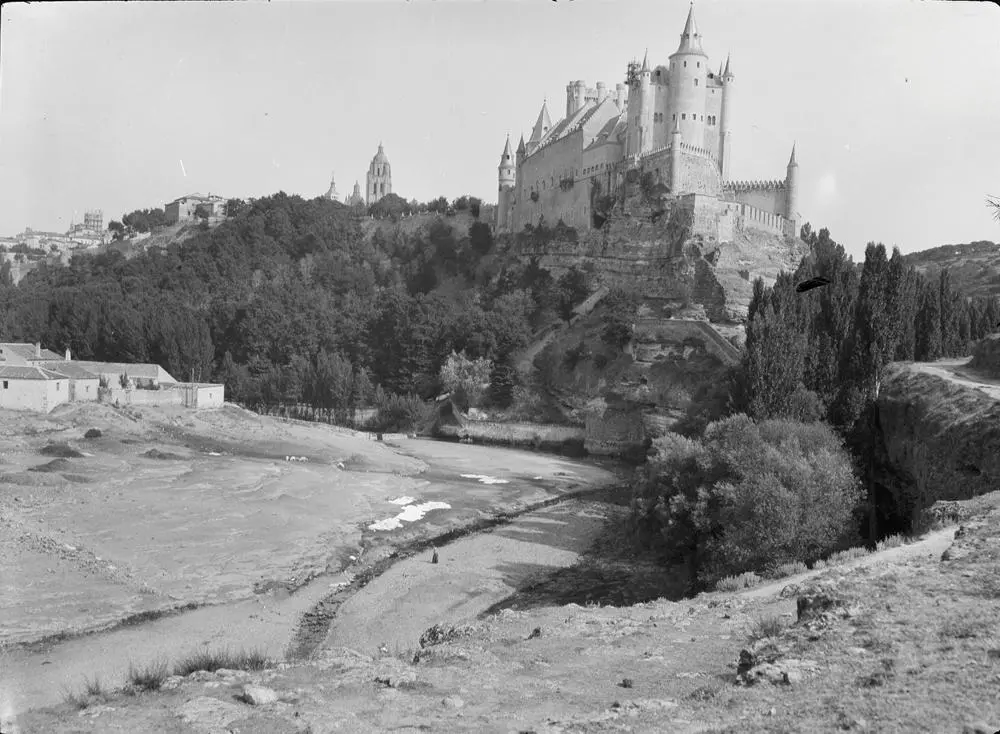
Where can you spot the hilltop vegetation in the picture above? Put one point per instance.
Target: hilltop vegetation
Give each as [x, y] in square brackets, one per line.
[289, 301]
[974, 267]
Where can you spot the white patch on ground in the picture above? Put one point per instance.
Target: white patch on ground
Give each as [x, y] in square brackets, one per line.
[403, 501]
[484, 479]
[410, 513]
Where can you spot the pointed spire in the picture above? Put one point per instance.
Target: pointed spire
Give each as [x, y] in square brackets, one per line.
[791, 161]
[727, 72]
[520, 146]
[506, 149]
[690, 37]
[645, 61]
[542, 124]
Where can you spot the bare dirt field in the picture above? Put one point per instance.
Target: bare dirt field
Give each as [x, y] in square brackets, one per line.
[202, 514]
[900, 641]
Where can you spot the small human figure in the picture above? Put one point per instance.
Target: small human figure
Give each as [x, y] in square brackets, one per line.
[434, 558]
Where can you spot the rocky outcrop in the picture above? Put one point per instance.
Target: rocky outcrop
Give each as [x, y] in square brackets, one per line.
[652, 246]
[939, 440]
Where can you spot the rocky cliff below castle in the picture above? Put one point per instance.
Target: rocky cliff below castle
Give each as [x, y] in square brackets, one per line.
[673, 249]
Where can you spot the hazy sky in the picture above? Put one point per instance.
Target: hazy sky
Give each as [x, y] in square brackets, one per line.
[894, 105]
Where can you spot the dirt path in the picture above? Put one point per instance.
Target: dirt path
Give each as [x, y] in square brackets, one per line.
[958, 372]
[931, 545]
[472, 574]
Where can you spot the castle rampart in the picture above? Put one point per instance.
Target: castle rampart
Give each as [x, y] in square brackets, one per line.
[671, 120]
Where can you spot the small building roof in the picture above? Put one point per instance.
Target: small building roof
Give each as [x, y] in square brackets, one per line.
[26, 372]
[145, 371]
[68, 369]
[27, 351]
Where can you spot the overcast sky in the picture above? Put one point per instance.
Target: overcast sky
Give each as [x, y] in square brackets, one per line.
[894, 105]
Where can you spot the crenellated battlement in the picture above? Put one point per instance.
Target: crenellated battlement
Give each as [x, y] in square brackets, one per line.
[702, 152]
[741, 186]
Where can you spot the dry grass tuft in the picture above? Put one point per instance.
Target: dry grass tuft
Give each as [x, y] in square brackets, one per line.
[736, 583]
[212, 660]
[764, 628]
[147, 678]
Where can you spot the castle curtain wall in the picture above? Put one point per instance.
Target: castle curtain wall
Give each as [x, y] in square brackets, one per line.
[771, 200]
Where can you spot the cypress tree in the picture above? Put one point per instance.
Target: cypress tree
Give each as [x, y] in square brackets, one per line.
[928, 336]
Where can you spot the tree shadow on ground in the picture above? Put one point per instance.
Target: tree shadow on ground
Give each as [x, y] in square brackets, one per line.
[610, 573]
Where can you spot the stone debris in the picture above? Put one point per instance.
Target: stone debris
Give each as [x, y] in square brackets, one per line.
[452, 702]
[259, 695]
[207, 714]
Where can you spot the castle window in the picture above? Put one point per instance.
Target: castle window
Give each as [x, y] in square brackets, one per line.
[685, 64]
[696, 82]
[675, 116]
[684, 116]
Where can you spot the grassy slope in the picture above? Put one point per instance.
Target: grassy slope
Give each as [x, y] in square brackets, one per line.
[974, 267]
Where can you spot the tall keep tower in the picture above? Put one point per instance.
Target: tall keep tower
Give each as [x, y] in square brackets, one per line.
[379, 177]
[506, 189]
[688, 73]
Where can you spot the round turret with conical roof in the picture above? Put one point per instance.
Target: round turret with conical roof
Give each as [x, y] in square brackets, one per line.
[688, 74]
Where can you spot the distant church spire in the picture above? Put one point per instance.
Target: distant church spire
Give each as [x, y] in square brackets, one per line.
[331, 193]
[791, 161]
[645, 61]
[727, 72]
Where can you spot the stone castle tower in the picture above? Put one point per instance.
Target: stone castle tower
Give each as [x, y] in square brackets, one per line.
[506, 192]
[671, 121]
[379, 177]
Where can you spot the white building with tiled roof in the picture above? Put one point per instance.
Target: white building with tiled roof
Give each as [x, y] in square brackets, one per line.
[27, 387]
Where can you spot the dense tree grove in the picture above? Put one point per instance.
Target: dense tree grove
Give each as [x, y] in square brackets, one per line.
[835, 340]
[775, 483]
[289, 302]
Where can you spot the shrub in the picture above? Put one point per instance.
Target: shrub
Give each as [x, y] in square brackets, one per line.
[765, 627]
[399, 413]
[745, 497]
[148, 678]
[737, 583]
[783, 570]
[847, 555]
[93, 433]
[893, 541]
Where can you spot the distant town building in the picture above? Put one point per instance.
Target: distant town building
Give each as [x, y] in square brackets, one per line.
[37, 379]
[379, 177]
[185, 209]
[355, 198]
[332, 194]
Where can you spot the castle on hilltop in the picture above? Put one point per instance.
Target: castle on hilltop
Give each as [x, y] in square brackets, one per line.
[671, 122]
[379, 183]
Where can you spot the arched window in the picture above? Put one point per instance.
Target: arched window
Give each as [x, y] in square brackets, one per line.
[684, 116]
[699, 64]
[696, 82]
[685, 64]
